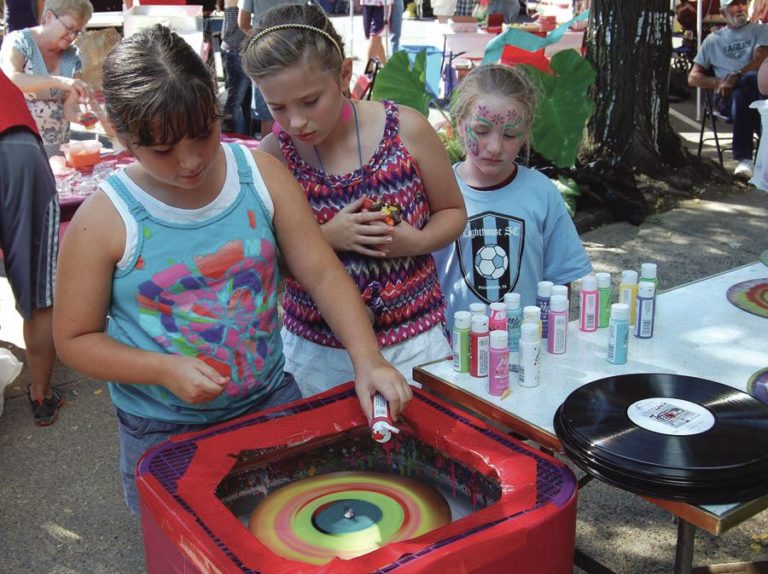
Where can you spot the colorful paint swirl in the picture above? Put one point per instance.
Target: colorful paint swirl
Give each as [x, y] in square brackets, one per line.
[345, 515]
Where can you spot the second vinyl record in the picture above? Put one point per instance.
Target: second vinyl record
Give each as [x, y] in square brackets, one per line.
[669, 422]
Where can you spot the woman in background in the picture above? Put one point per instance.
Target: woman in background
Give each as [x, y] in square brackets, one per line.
[45, 65]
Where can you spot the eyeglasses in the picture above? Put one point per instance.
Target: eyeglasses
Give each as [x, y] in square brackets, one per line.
[74, 32]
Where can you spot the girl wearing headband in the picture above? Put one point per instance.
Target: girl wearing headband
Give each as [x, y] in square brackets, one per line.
[180, 251]
[346, 156]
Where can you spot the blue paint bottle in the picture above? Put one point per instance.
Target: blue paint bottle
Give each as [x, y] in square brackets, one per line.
[618, 334]
[645, 309]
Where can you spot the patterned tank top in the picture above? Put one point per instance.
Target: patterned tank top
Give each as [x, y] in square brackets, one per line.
[403, 293]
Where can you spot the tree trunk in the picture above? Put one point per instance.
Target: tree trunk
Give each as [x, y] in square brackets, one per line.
[630, 45]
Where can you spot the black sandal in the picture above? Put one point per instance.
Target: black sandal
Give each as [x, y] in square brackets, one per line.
[45, 411]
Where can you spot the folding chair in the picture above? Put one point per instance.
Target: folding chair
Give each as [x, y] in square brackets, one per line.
[709, 113]
[364, 84]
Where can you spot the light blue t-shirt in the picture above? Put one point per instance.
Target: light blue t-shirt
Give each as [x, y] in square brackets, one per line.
[728, 50]
[515, 237]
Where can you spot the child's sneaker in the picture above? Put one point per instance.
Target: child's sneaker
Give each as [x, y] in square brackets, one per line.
[45, 411]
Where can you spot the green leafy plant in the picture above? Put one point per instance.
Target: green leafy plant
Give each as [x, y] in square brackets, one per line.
[407, 85]
[564, 106]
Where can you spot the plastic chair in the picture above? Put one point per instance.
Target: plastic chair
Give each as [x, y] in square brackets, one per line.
[512, 55]
[434, 64]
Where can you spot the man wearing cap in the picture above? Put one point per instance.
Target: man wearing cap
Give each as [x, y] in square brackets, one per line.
[734, 54]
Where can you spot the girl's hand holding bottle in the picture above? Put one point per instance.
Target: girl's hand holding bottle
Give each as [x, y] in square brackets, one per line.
[378, 376]
[352, 229]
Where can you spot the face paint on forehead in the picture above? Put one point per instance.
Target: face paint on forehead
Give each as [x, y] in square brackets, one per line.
[511, 118]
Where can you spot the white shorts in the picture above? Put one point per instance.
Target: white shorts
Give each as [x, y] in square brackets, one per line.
[318, 368]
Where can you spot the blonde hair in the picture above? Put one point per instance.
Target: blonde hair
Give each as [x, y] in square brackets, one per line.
[288, 35]
[78, 9]
[497, 80]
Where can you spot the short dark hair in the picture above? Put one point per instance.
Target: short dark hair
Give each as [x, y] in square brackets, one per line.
[157, 90]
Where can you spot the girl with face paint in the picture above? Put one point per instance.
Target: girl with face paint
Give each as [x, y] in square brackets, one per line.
[518, 230]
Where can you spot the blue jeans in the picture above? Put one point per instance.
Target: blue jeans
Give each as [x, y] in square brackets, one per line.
[137, 434]
[396, 24]
[746, 121]
[238, 103]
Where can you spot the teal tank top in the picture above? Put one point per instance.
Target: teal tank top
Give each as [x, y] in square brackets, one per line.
[205, 289]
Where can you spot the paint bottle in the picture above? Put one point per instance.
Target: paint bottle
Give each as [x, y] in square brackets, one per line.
[604, 297]
[514, 320]
[498, 364]
[558, 325]
[498, 318]
[530, 356]
[588, 304]
[479, 340]
[648, 273]
[532, 314]
[460, 341]
[477, 308]
[560, 290]
[618, 334]
[543, 295]
[382, 425]
[645, 310]
[628, 292]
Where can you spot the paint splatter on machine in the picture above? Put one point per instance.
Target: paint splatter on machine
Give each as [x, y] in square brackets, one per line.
[507, 504]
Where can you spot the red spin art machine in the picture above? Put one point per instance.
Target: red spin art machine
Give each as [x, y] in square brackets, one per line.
[309, 477]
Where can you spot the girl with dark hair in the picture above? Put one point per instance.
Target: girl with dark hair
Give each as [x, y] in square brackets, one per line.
[179, 250]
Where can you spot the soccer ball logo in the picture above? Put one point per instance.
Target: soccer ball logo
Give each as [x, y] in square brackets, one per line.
[491, 261]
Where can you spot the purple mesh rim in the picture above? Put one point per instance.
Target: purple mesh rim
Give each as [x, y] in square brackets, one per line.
[168, 464]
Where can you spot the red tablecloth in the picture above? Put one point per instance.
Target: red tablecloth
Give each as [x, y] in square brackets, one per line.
[73, 191]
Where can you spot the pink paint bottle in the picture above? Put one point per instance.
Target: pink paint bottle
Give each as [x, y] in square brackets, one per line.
[479, 340]
[588, 300]
[498, 364]
[558, 325]
[498, 318]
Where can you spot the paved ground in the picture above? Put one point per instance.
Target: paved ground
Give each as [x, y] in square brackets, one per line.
[61, 510]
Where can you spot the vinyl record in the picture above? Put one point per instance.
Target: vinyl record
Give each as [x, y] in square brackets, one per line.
[750, 296]
[668, 436]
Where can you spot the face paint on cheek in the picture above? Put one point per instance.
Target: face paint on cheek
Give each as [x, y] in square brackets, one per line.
[470, 142]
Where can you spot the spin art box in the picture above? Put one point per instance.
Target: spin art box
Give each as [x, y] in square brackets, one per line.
[512, 506]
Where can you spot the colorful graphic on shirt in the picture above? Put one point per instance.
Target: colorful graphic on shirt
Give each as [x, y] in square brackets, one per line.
[491, 268]
[221, 310]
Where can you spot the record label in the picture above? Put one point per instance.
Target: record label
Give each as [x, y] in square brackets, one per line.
[671, 416]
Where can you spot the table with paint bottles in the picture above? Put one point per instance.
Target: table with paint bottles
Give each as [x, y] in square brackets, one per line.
[698, 332]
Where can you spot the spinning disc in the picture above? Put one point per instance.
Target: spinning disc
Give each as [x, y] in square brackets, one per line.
[750, 296]
[345, 514]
